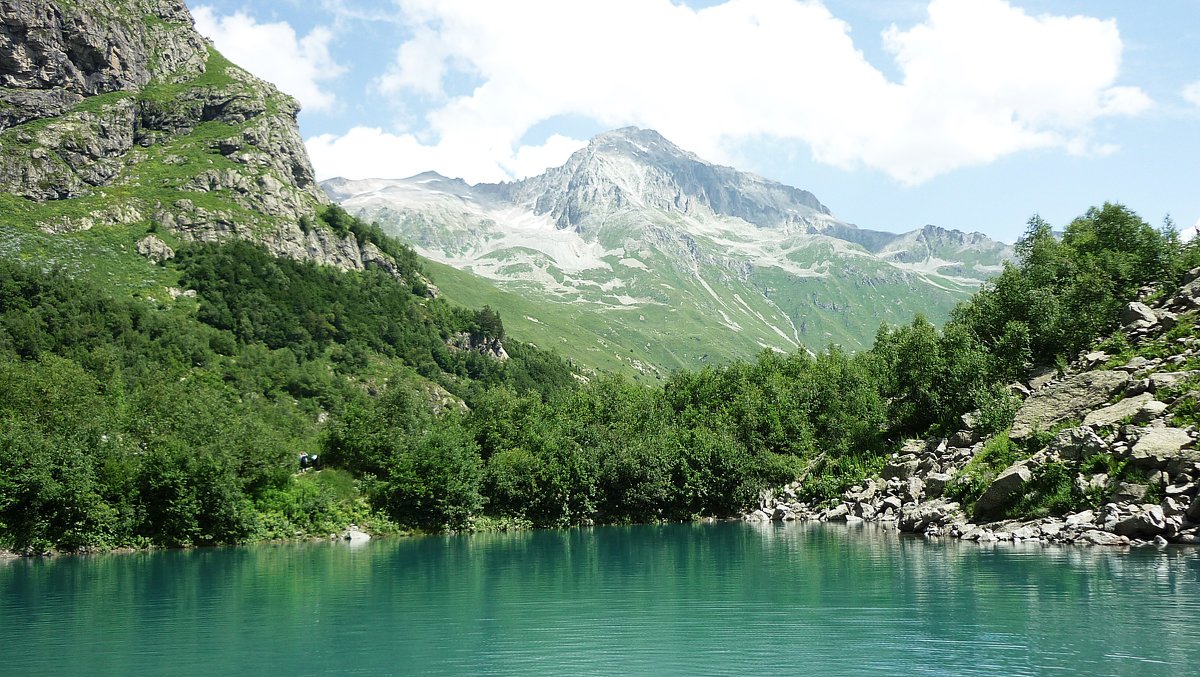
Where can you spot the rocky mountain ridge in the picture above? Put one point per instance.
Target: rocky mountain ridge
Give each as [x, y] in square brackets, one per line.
[118, 113]
[640, 167]
[652, 246]
[1121, 428]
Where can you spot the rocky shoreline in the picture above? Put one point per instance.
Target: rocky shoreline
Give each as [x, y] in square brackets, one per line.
[1116, 408]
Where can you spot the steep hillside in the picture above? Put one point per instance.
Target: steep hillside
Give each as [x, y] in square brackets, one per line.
[184, 316]
[675, 261]
[1101, 452]
[116, 118]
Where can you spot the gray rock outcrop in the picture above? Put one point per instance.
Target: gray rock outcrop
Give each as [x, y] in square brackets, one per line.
[1157, 446]
[1138, 314]
[1069, 399]
[103, 97]
[1007, 484]
[1138, 409]
[154, 249]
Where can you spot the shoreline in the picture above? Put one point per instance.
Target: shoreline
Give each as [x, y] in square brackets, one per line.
[1012, 532]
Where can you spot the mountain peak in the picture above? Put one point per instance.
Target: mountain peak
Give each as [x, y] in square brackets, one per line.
[634, 167]
[636, 138]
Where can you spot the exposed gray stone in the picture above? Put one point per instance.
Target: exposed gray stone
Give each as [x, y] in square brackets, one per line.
[1069, 399]
[1158, 446]
[1087, 483]
[837, 513]
[1147, 523]
[935, 484]
[916, 488]
[1193, 511]
[1081, 518]
[964, 438]
[1074, 444]
[1042, 377]
[1139, 409]
[1138, 314]
[900, 468]
[1051, 529]
[1097, 537]
[1006, 486]
[1167, 379]
[1127, 491]
[154, 249]
[938, 512]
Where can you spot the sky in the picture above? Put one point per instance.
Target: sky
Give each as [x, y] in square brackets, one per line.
[969, 114]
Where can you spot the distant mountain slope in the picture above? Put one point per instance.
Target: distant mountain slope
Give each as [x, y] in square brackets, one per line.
[676, 260]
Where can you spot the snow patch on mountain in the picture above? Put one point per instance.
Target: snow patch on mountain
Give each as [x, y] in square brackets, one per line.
[633, 221]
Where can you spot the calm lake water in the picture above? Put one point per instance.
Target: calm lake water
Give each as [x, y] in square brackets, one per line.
[726, 598]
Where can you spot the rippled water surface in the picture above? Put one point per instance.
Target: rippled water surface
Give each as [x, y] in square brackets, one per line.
[682, 599]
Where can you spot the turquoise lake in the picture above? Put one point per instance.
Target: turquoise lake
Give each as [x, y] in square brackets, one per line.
[725, 598]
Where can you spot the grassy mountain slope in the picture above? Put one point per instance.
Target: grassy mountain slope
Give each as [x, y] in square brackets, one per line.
[673, 261]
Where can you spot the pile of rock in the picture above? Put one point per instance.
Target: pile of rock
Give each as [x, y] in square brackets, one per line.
[1135, 430]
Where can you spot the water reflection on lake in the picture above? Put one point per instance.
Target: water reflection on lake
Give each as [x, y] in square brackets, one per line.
[675, 599]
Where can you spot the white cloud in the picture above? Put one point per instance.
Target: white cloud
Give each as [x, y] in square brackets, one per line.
[273, 52]
[979, 80]
[370, 152]
[1192, 93]
[420, 66]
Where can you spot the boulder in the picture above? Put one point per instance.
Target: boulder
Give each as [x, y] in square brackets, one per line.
[1087, 483]
[1139, 409]
[1174, 506]
[1081, 518]
[964, 438]
[355, 535]
[1135, 364]
[935, 484]
[757, 516]
[1127, 491]
[1193, 511]
[900, 468]
[1191, 536]
[1166, 379]
[1069, 399]
[1097, 537]
[1025, 532]
[1146, 523]
[1008, 484]
[837, 513]
[1074, 444]
[1051, 529]
[1181, 489]
[155, 249]
[1138, 314]
[916, 488]
[938, 512]
[1158, 446]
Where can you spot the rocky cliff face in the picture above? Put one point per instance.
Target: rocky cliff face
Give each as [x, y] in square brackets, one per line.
[52, 55]
[1120, 429]
[119, 112]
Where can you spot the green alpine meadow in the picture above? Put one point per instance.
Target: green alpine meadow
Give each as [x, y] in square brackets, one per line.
[637, 413]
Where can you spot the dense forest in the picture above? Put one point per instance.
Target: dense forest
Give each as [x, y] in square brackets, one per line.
[127, 424]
